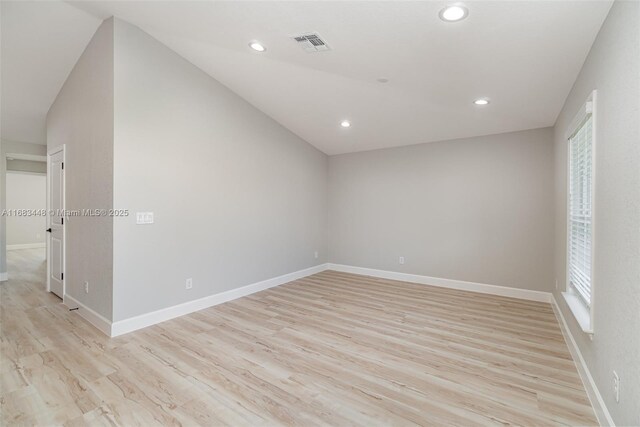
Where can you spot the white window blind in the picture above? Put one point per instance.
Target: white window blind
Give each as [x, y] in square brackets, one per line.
[580, 208]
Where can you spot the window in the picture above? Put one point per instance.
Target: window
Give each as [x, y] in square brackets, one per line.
[580, 207]
[581, 136]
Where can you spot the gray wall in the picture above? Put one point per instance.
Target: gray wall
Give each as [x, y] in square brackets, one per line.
[82, 118]
[12, 147]
[31, 166]
[613, 68]
[26, 191]
[477, 209]
[237, 198]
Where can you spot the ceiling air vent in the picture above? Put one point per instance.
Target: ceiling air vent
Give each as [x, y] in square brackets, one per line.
[311, 43]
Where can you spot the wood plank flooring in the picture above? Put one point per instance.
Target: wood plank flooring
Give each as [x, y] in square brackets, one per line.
[331, 349]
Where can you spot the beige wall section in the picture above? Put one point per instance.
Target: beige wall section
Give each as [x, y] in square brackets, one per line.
[17, 165]
[477, 209]
[11, 147]
[237, 198]
[81, 117]
[26, 191]
[613, 68]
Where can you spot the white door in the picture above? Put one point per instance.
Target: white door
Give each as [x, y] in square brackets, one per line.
[56, 223]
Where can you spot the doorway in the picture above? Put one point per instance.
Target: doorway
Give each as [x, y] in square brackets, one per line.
[24, 184]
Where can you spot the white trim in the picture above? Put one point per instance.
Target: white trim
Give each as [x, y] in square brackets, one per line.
[594, 206]
[142, 321]
[580, 311]
[54, 150]
[599, 407]
[88, 314]
[48, 220]
[585, 109]
[30, 157]
[447, 283]
[26, 246]
[26, 172]
[4, 277]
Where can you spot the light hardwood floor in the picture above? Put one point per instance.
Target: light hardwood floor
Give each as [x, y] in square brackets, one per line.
[331, 349]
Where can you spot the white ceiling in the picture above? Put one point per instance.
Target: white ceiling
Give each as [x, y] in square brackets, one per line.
[523, 55]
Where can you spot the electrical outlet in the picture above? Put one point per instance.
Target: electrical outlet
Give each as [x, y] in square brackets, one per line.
[401, 260]
[556, 284]
[188, 284]
[86, 287]
[616, 386]
[38, 235]
[315, 254]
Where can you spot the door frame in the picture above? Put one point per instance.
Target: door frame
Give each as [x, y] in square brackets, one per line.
[51, 152]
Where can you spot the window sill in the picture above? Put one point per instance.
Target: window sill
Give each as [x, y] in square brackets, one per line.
[580, 311]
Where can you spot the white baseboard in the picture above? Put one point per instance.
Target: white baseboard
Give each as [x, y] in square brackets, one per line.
[4, 276]
[142, 321]
[26, 246]
[599, 407]
[447, 283]
[89, 315]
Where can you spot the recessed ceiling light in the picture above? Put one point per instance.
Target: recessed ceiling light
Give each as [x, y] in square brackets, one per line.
[454, 13]
[481, 101]
[257, 47]
[383, 80]
[345, 123]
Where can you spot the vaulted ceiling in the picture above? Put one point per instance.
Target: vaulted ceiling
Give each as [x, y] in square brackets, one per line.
[40, 44]
[522, 55]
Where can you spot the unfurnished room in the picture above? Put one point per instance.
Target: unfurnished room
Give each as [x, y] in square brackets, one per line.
[320, 213]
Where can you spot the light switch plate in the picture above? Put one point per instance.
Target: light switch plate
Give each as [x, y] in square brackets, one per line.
[144, 217]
